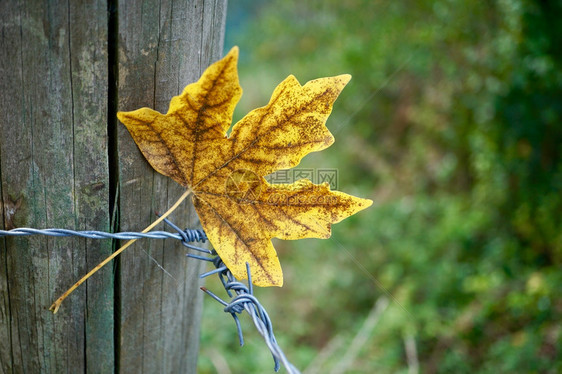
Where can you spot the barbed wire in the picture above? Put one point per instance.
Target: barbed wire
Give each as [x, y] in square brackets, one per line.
[188, 235]
[244, 299]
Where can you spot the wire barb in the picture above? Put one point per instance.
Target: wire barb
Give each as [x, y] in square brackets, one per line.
[244, 300]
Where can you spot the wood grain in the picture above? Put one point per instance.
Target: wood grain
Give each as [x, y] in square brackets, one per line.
[163, 46]
[53, 164]
[58, 154]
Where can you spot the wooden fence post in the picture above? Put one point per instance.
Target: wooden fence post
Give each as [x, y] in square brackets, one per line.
[65, 68]
[162, 48]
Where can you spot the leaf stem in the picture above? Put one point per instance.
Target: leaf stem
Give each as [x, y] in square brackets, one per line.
[56, 305]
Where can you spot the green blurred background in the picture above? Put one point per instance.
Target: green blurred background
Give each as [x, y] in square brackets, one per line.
[452, 126]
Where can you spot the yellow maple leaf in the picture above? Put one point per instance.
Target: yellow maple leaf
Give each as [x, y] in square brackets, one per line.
[238, 209]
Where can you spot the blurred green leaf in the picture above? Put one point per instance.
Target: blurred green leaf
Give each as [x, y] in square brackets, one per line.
[452, 124]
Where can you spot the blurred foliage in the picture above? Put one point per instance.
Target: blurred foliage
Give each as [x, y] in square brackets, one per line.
[452, 125]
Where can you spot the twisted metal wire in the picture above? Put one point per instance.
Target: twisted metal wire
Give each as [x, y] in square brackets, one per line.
[244, 299]
[187, 235]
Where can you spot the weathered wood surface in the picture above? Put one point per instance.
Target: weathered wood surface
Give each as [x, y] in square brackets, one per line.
[163, 46]
[53, 87]
[56, 164]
